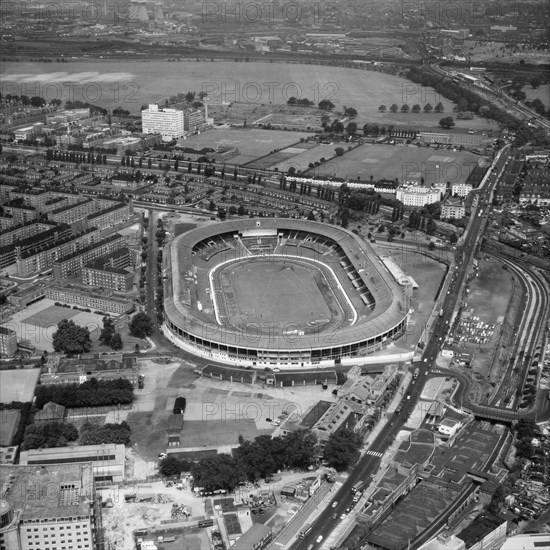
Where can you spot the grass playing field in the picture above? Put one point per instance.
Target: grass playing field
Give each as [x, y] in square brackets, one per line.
[404, 163]
[268, 292]
[50, 316]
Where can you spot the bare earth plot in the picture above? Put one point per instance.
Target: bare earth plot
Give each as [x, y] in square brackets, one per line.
[402, 162]
[50, 316]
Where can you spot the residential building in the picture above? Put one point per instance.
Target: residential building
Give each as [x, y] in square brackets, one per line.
[107, 460]
[257, 537]
[461, 189]
[21, 232]
[448, 427]
[357, 390]
[341, 414]
[73, 263]
[39, 258]
[87, 300]
[8, 342]
[74, 212]
[193, 120]
[20, 212]
[453, 207]
[413, 195]
[451, 138]
[169, 123]
[113, 215]
[112, 271]
[32, 197]
[27, 294]
[47, 508]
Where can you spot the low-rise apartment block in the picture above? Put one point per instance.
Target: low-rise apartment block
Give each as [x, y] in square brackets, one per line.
[95, 302]
[461, 189]
[416, 195]
[112, 271]
[453, 208]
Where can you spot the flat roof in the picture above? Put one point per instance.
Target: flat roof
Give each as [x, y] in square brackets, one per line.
[386, 314]
[61, 501]
[18, 385]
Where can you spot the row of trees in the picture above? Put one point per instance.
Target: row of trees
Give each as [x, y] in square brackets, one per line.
[60, 434]
[51, 434]
[428, 108]
[265, 456]
[94, 434]
[92, 393]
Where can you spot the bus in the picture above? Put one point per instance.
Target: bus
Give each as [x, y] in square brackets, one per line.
[303, 534]
[357, 487]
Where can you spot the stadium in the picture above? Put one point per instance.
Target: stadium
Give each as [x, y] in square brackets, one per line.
[281, 292]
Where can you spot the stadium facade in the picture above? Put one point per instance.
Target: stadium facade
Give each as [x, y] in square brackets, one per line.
[202, 309]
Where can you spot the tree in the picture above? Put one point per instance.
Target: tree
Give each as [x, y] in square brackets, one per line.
[342, 449]
[211, 206]
[428, 108]
[116, 342]
[430, 226]
[107, 332]
[71, 338]
[326, 105]
[311, 216]
[350, 111]
[339, 151]
[141, 325]
[351, 128]
[170, 466]
[394, 108]
[447, 122]
[439, 108]
[217, 472]
[416, 108]
[405, 108]
[382, 108]
[241, 211]
[453, 239]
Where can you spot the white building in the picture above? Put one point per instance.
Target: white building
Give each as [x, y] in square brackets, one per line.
[169, 123]
[412, 195]
[461, 189]
[449, 426]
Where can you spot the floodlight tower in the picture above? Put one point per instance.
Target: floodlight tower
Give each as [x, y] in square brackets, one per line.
[159, 11]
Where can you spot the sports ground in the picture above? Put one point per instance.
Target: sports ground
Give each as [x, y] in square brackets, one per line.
[401, 162]
[278, 292]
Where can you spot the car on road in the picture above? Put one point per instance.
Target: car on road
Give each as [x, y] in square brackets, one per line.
[343, 516]
[335, 515]
[334, 504]
[319, 538]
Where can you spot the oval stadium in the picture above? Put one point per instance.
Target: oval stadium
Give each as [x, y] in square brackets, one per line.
[275, 291]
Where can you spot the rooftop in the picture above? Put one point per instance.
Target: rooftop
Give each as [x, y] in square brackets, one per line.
[70, 490]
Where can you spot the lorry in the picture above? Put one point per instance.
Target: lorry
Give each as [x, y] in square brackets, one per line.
[416, 372]
[357, 487]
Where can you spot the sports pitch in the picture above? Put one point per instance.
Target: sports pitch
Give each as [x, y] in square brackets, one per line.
[50, 316]
[269, 292]
[401, 162]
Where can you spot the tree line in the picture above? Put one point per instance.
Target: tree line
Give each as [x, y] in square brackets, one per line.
[92, 393]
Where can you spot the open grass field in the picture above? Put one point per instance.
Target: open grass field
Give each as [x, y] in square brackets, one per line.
[402, 162]
[542, 93]
[275, 293]
[252, 143]
[52, 315]
[129, 84]
[18, 385]
[302, 159]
